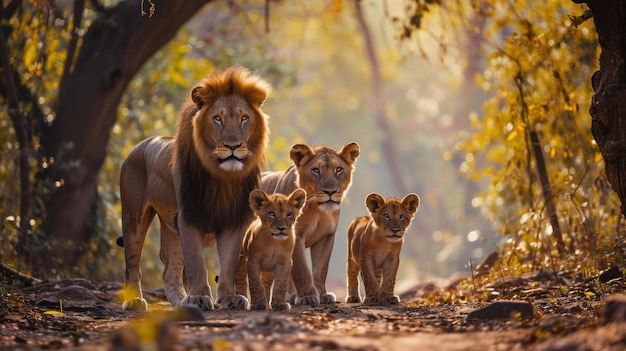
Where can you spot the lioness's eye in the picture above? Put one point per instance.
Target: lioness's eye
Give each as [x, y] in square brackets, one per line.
[316, 170]
[289, 214]
[218, 119]
[402, 216]
[244, 118]
[271, 214]
[386, 216]
[339, 170]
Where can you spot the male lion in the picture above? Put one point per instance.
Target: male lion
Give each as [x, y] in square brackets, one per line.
[325, 174]
[198, 183]
[374, 244]
[268, 247]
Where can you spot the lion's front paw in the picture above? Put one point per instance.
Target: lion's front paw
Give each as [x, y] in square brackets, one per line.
[391, 299]
[234, 302]
[311, 300]
[328, 298]
[203, 302]
[353, 299]
[280, 306]
[135, 304]
[291, 299]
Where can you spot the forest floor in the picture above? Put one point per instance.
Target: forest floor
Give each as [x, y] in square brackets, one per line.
[535, 312]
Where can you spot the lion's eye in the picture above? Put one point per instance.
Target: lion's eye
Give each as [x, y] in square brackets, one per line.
[339, 170]
[289, 214]
[272, 214]
[402, 216]
[386, 216]
[218, 119]
[315, 170]
[244, 118]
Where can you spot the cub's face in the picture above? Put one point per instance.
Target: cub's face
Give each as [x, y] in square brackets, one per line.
[392, 216]
[325, 173]
[278, 212]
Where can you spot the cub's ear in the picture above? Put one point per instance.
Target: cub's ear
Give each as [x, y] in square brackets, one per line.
[411, 202]
[196, 97]
[298, 198]
[299, 152]
[257, 199]
[374, 202]
[350, 152]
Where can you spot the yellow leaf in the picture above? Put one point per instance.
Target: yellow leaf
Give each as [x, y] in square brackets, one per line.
[53, 312]
[589, 294]
[512, 135]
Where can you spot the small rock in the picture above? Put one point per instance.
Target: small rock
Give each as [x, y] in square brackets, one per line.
[610, 274]
[615, 309]
[503, 310]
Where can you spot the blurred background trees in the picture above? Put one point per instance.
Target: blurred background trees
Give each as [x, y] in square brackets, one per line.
[479, 107]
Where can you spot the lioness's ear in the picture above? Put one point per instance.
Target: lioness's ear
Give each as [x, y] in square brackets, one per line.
[374, 202]
[411, 202]
[196, 98]
[350, 152]
[298, 152]
[256, 199]
[298, 198]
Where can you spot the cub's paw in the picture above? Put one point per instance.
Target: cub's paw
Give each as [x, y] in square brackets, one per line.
[353, 299]
[291, 299]
[203, 302]
[311, 300]
[374, 300]
[135, 304]
[328, 298]
[391, 299]
[234, 302]
[280, 306]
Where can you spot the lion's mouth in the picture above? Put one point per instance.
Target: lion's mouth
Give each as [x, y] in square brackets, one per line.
[280, 236]
[230, 158]
[231, 163]
[394, 238]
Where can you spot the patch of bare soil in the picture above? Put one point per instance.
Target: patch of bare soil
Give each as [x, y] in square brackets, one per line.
[540, 312]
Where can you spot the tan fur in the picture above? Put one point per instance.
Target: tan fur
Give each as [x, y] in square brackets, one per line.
[374, 244]
[198, 183]
[268, 246]
[325, 174]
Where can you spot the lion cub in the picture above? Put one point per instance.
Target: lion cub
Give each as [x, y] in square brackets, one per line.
[374, 244]
[268, 247]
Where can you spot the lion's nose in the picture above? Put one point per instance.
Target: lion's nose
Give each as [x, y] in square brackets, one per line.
[232, 145]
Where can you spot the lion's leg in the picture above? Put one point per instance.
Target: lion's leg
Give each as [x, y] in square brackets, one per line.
[353, 280]
[134, 231]
[303, 280]
[172, 257]
[228, 246]
[192, 242]
[282, 273]
[320, 258]
[390, 270]
[268, 279]
[241, 278]
[372, 288]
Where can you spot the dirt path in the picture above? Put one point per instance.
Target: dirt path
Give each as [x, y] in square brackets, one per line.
[31, 318]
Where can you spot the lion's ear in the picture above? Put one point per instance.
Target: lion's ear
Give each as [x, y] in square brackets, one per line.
[299, 152]
[374, 202]
[411, 202]
[298, 198]
[196, 97]
[256, 199]
[350, 152]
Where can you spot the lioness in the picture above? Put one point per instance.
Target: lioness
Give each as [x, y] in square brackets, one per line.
[374, 244]
[325, 174]
[203, 177]
[268, 246]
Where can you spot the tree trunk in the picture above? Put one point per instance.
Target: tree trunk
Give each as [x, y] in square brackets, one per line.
[608, 104]
[113, 50]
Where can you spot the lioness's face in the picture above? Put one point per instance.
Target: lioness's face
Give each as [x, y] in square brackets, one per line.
[393, 216]
[325, 174]
[227, 129]
[278, 212]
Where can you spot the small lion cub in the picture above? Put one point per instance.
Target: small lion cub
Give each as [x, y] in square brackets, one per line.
[268, 247]
[374, 244]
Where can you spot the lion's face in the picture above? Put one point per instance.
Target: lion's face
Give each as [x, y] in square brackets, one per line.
[278, 212]
[392, 216]
[324, 173]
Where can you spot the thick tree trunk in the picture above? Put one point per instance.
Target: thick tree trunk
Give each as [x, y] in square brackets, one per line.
[608, 105]
[113, 50]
